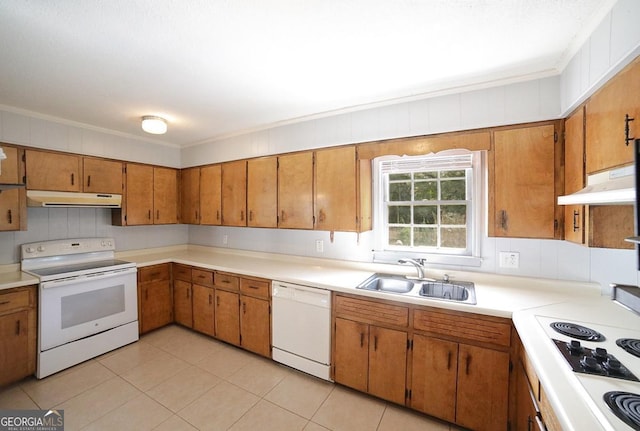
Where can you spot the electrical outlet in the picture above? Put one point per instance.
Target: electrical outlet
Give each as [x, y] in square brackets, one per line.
[509, 259]
[319, 246]
[225, 239]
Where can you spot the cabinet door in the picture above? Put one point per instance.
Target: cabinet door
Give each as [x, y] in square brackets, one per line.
[10, 205]
[433, 377]
[10, 170]
[262, 192]
[182, 303]
[255, 325]
[524, 183]
[203, 309]
[102, 176]
[483, 388]
[387, 363]
[605, 124]
[234, 193]
[139, 194]
[574, 175]
[190, 196]
[351, 354]
[14, 347]
[227, 316]
[156, 305]
[526, 411]
[211, 195]
[165, 195]
[53, 171]
[295, 191]
[335, 189]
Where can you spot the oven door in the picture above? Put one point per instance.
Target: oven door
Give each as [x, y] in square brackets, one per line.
[77, 307]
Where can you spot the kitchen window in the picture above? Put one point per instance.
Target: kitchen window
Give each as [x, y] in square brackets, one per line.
[428, 205]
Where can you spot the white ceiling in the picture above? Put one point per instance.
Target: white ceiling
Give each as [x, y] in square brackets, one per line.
[215, 68]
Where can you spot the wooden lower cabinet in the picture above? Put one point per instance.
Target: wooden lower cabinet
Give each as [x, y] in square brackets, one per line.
[368, 356]
[203, 309]
[255, 325]
[435, 366]
[227, 316]
[155, 302]
[18, 334]
[182, 303]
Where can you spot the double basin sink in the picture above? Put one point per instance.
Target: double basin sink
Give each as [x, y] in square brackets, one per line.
[456, 291]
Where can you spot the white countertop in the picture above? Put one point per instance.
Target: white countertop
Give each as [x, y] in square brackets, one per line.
[519, 298]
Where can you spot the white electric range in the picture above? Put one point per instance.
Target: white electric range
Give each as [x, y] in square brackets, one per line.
[594, 356]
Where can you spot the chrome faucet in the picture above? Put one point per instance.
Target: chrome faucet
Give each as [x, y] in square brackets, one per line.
[418, 263]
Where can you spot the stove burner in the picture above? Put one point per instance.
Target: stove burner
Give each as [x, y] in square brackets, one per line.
[631, 345]
[626, 406]
[577, 331]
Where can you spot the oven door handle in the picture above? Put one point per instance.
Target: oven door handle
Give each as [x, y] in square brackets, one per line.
[87, 277]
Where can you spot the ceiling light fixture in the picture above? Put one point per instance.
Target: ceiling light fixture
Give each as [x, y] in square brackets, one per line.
[154, 125]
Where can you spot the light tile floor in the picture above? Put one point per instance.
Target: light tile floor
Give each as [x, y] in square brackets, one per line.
[175, 379]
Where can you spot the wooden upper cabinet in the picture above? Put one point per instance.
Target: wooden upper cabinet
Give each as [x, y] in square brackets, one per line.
[522, 187]
[574, 216]
[165, 195]
[12, 168]
[53, 171]
[262, 192]
[13, 209]
[139, 194]
[295, 191]
[234, 193]
[210, 195]
[605, 123]
[102, 176]
[335, 189]
[190, 196]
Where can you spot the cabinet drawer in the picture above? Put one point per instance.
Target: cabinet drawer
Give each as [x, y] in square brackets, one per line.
[463, 326]
[154, 272]
[181, 272]
[372, 311]
[252, 287]
[14, 300]
[227, 281]
[202, 277]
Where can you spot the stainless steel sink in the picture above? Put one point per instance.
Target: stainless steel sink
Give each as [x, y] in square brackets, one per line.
[446, 290]
[388, 283]
[460, 291]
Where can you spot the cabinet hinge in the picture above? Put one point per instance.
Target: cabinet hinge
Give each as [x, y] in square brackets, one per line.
[24, 157]
[124, 169]
[555, 137]
[24, 179]
[510, 366]
[407, 394]
[555, 224]
[409, 344]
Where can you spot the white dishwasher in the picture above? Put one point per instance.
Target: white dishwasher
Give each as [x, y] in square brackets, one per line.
[301, 327]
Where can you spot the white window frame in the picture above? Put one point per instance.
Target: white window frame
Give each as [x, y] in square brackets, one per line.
[470, 257]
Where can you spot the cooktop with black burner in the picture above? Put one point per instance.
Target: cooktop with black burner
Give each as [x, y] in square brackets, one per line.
[593, 361]
[575, 330]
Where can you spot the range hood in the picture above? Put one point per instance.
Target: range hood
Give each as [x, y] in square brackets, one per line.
[40, 198]
[614, 187]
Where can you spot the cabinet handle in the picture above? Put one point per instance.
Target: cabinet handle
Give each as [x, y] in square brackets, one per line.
[362, 339]
[217, 214]
[149, 215]
[321, 216]
[17, 327]
[88, 180]
[253, 287]
[225, 281]
[72, 179]
[250, 215]
[9, 217]
[449, 360]
[218, 301]
[503, 220]
[576, 215]
[468, 362]
[196, 215]
[244, 308]
[241, 215]
[157, 214]
[283, 216]
[155, 274]
[210, 299]
[188, 292]
[375, 343]
[4, 302]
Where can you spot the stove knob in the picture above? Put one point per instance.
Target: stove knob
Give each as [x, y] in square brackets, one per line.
[590, 364]
[613, 364]
[600, 354]
[41, 248]
[30, 249]
[574, 347]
